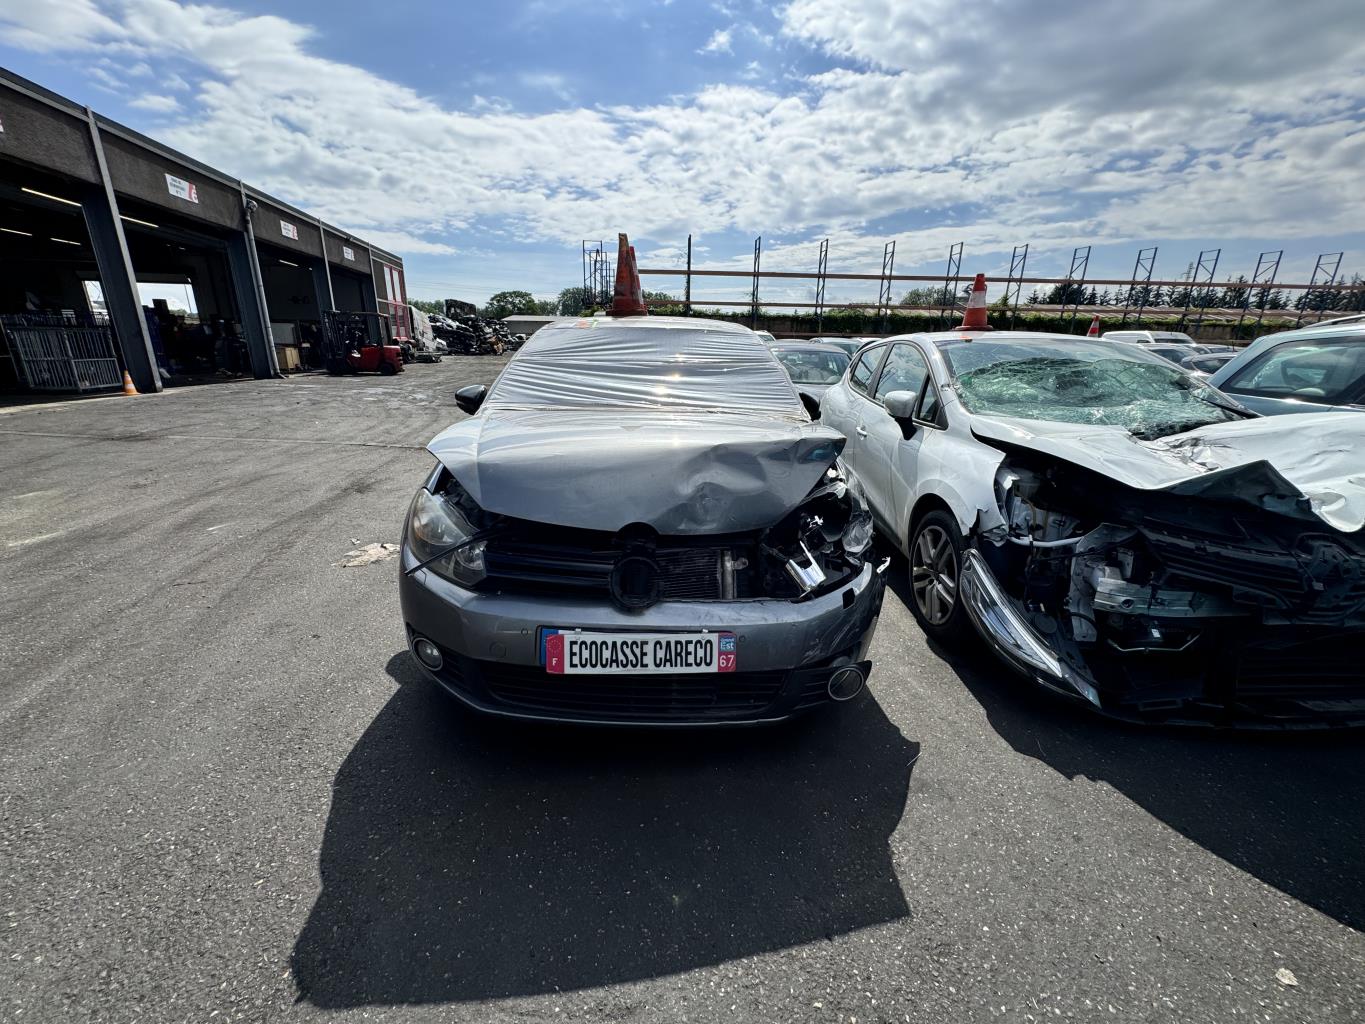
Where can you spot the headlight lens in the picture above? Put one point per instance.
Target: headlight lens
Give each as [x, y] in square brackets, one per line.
[435, 525]
[858, 533]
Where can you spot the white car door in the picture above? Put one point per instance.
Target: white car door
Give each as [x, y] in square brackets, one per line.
[842, 406]
[889, 457]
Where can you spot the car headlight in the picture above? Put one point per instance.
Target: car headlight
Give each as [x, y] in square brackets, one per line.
[857, 534]
[440, 535]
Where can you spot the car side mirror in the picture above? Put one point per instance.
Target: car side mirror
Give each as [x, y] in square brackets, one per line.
[900, 406]
[470, 397]
[811, 403]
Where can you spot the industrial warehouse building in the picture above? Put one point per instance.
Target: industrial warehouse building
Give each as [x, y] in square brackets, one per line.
[99, 225]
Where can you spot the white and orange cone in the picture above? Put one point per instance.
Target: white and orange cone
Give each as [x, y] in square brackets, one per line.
[628, 298]
[128, 388]
[1094, 331]
[974, 318]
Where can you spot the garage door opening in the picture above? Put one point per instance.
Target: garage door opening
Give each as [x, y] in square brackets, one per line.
[185, 288]
[51, 338]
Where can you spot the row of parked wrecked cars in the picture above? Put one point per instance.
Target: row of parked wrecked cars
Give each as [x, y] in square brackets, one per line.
[643, 520]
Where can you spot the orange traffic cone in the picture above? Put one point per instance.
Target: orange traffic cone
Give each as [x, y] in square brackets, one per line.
[974, 319]
[128, 388]
[1094, 331]
[628, 299]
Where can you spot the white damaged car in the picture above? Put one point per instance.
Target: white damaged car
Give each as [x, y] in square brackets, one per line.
[1116, 529]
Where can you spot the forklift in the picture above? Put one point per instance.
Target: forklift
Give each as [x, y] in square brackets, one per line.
[359, 343]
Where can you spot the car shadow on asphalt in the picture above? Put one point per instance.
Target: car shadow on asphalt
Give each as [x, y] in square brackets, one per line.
[469, 859]
[1283, 807]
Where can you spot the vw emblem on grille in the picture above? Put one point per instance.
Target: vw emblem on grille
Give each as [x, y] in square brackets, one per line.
[635, 581]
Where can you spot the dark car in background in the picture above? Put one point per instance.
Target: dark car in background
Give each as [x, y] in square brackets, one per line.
[812, 367]
[1315, 369]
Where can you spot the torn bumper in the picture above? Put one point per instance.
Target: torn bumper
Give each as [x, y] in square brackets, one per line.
[1257, 701]
[492, 652]
[1013, 639]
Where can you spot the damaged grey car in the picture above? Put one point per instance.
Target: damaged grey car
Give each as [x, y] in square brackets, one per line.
[1117, 530]
[640, 524]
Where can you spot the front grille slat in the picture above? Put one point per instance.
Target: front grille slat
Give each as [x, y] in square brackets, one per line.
[632, 698]
[684, 574]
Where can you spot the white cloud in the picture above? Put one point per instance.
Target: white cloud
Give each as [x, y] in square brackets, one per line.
[1013, 127]
[718, 43]
[155, 104]
[547, 81]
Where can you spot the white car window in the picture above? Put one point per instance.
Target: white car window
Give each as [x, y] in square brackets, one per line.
[905, 370]
[860, 379]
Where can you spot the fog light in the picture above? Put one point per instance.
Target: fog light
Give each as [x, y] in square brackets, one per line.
[427, 653]
[846, 683]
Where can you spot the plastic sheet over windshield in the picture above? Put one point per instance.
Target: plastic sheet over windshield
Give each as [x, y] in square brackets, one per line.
[1082, 382]
[590, 364]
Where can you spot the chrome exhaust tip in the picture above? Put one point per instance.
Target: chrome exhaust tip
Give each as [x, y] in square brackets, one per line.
[847, 682]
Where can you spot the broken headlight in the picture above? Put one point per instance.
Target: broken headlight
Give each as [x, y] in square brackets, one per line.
[824, 541]
[442, 538]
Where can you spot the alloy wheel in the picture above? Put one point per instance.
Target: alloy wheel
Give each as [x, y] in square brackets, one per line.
[933, 574]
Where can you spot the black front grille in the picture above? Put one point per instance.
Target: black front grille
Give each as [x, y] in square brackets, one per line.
[1323, 667]
[1300, 581]
[684, 573]
[660, 698]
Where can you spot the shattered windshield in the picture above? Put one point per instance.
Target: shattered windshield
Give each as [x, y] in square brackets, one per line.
[1083, 382]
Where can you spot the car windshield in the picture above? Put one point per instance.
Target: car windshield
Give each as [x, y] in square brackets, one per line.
[590, 365]
[810, 367]
[1083, 382]
[1321, 370]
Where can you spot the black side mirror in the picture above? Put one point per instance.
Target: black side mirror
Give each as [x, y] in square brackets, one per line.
[811, 403]
[470, 397]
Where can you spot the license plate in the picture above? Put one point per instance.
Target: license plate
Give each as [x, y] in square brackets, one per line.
[636, 654]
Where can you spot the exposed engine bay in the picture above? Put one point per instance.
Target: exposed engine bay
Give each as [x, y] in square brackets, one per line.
[1163, 606]
[812, 550]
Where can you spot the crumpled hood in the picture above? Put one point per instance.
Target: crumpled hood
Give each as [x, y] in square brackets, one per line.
[1310, 465]
[604, 469]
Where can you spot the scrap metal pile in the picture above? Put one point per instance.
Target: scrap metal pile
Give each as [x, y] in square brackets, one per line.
[472, 335]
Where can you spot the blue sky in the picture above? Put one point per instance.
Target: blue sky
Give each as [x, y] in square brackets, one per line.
[483, 141]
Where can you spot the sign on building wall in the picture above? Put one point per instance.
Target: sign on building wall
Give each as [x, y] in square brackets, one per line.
[347, 253]
[182, 189]
[289, 230]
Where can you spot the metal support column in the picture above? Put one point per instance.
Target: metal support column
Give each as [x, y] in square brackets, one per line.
[262, 306]
[884, 290]
[258, 343]
[1141, 286]
[1015, 282]
[753, 297]
[1326, 268]
[948, 306]
[117, 277]
[1075, 278]
[821, 279]
[1203, 271]
[687, 286]
[326, 269]
[1262, 281]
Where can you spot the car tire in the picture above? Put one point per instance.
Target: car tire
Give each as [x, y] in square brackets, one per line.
[387, 369]
[935, 568]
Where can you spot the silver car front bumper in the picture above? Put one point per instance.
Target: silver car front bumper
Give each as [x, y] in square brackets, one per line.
[1011, 637]
[492, 647]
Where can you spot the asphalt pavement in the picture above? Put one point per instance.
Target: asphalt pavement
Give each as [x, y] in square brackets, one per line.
[227, 794]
